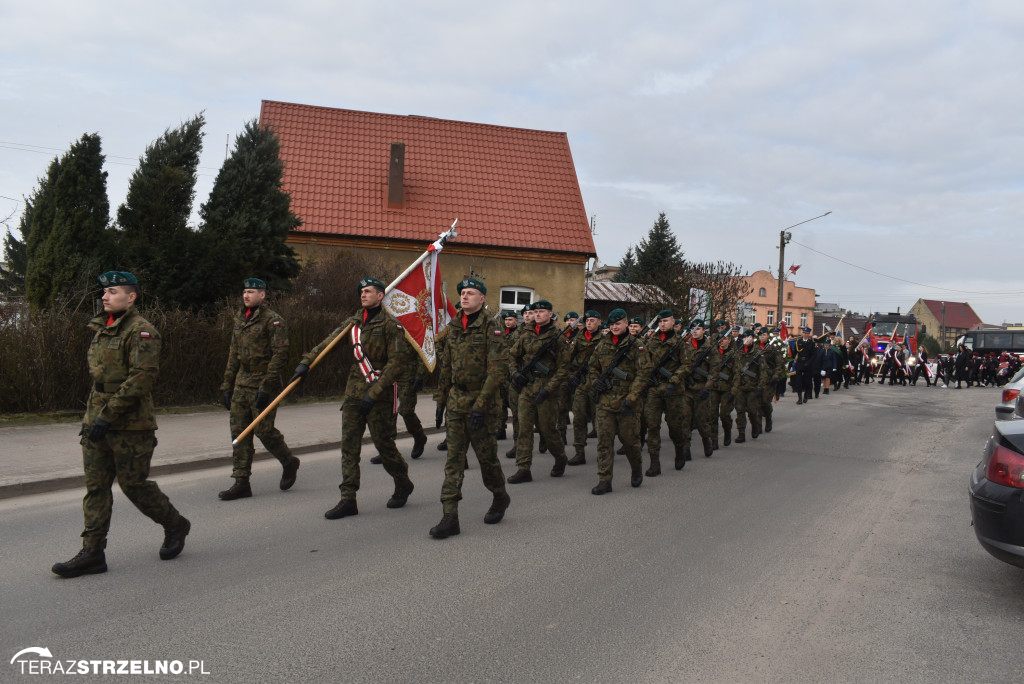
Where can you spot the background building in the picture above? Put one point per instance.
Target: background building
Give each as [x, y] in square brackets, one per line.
[763, 301]
[945, 321]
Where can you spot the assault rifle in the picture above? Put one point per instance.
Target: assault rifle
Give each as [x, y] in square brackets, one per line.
[697, 370]
[603, 382]
[535, 363]
[659, 371]
[758, 354]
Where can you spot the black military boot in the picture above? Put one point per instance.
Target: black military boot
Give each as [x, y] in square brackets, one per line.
[728, 437]
[714, 443]
[655, 469]
[497, 510]
[593, 433]
[449, 526]
[708, 447]
[755, 429]
[681, 453]
[377, 460]
[520, 476]
[740, 437]
[768, 424]
[579, 459]
[602, 487]
[345, 507]
[401, 495]
[174, 539]
[443, 446]
[239, 490]
[543, 447]
[826, 391]
[799, 399]
[558, 470]
[502, 433]
[289, 473]
[90, 561]
[636, 478]
[622, 450]
[417, 446]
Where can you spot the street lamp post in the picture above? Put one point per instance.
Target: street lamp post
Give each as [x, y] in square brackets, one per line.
[784, 237]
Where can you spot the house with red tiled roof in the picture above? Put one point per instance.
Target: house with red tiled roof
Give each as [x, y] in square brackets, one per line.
[945, 321]
[385, 186]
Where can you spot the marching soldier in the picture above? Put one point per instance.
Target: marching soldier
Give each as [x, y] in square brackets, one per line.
[723, 370]
[118, 427]
[572, 321]
[583, 408]
[380, 350]
[617, 384]
[511, 322]
[747, 387]
[513, 393]
[772, 361]
[472, 368]
[664, 356]
[697, 397]
[537, 362]
[256, 357]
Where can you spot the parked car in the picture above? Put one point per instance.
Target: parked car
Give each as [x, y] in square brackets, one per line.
[1011, 390]
[997, 491]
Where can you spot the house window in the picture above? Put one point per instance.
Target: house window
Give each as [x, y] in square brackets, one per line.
[789, 318]
[771, 316]
[803, 320]
[762, 292]
[789, 296]
[753, 316]
[516, 298]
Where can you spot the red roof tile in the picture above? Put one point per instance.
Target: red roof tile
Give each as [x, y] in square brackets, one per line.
[958, 314]
[509, 187]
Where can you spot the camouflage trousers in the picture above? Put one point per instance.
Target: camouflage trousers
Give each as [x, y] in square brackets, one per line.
[243, 412]
[610, 423]
[583, 411]
[407, 409]
[564, 395]
[722, 405]
[697, 415]
[766, 401]
[544, 418]
[510, 397]
[124, 455]
[383, 429]
[485, 445]
[748, 403]
[658, 405]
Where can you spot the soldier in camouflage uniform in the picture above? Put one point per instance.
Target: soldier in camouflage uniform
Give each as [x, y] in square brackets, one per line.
[750, 378]
[665, 354]
[583, 407]
[617, 383]
[513, 393]
[380, 350]
[511, 322]
[537, 386]
[697, 397]
[772, 361]
[258, 353]
[472, 368]
[722, 402]
[118, 427]
[569, 332]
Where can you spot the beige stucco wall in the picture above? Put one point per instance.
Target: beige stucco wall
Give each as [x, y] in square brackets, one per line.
[551, 276]
[795, 300]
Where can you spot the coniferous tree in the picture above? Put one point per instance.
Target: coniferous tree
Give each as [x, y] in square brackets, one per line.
[154, 239]
[658, 255]
[12, 279]
[67, 225]
[248, 215]
[627, 267]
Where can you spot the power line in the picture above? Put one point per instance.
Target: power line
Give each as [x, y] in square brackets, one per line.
[904, 280]
[39, 149]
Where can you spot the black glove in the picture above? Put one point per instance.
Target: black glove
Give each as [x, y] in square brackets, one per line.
[704, 394]
[670, 389]
[300, 373]
[99, 430]
[366, 405]
[476, 419]
[226, 400]
[626, 409]
[541, 397]
[519, 381]
[439, 415]
[602, 385]
[574, 384]
[261, 401]
[417, 384]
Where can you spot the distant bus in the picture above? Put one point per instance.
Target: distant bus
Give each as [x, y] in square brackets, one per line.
[998, 341]
[884, 326]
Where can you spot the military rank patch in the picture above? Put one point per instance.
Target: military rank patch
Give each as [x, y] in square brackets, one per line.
[498, 333]
[144, 335]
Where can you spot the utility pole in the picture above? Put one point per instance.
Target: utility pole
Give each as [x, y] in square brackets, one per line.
[784, 237]
[943, 307]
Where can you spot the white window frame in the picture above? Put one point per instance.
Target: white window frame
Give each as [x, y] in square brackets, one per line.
[803, 320]
[789, 319]
[517, 291]
[770, 317]
[762, 292]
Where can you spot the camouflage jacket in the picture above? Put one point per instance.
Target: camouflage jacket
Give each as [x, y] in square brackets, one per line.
[626, 379]
[723, 365]
[473, 366]
[696, 376]
[772, 361]
[124, 360]
[382, 340]
[579, 356]
[673, 369]
[742, 380]
[555, 359]
[258, 352]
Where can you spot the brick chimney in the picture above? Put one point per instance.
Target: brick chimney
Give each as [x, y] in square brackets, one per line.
[396, 176]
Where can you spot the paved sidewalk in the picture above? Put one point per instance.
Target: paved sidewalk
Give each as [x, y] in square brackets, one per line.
[40, 458]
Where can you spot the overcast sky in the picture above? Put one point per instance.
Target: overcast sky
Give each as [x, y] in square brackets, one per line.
[737, 119]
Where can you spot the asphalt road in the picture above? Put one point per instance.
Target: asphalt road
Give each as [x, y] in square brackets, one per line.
[837, 548]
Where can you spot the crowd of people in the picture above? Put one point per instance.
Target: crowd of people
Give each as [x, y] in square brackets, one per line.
[614, 379]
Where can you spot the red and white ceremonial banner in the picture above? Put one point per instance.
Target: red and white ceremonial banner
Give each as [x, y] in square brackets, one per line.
[783, 331]
[419, 303]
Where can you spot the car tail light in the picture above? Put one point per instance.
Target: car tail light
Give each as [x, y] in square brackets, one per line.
[1005, 466]
[1010, 395]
